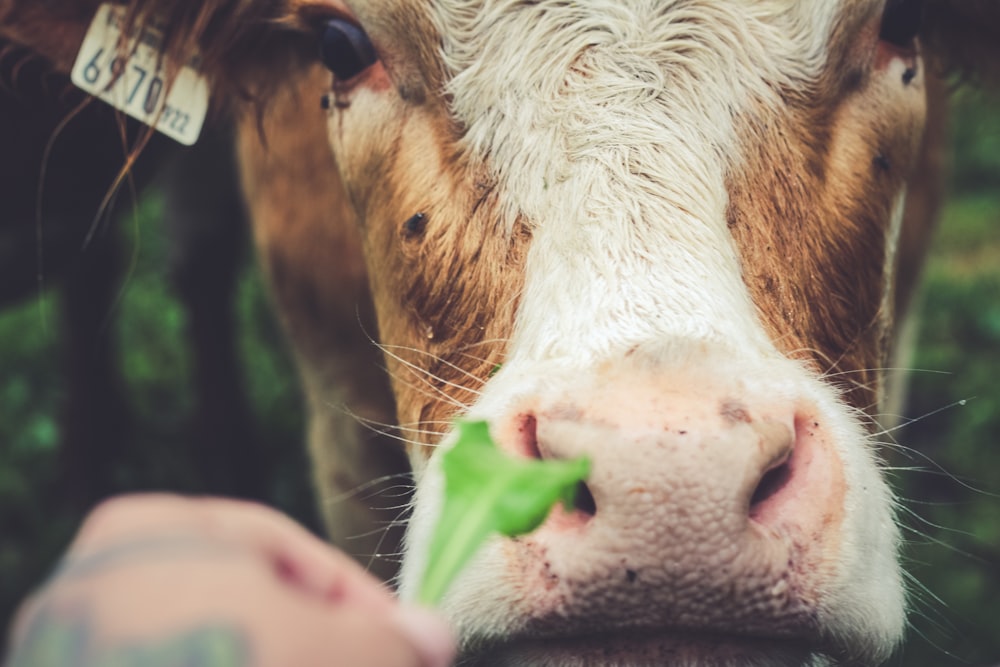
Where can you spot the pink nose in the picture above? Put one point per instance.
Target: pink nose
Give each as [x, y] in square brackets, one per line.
[703, 504]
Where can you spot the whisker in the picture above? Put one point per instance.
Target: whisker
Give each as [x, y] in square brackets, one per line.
[930, 602]
[430, 385]
[425, 377]
[422, 374]
[385, 532]
[938, 622]
[437, 358]
[930, 539]
[382, 429]
[938, 469]
[435, 393]
[887, 369]
[365, 486]
[914, 420]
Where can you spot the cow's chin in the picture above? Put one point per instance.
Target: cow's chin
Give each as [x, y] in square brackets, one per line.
[681, 649]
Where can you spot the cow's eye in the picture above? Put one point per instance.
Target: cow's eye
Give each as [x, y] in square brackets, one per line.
[901, 22]
[345, 49]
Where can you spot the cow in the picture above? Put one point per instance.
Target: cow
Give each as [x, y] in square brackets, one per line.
[678, 237]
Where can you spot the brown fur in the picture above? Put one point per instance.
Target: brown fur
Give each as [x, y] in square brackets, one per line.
[445, 298]
[812, 233]
[441, 342]
[310, 249]
[52, 29]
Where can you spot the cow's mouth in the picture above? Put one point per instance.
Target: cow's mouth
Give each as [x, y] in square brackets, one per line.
[642, 649]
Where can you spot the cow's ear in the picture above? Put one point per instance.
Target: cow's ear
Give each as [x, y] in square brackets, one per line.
[245, 46]
[53, 30]
[962, 37]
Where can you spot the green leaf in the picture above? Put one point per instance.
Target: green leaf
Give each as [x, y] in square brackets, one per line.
[488, 492]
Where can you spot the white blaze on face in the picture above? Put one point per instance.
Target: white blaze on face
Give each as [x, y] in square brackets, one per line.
[609, 128]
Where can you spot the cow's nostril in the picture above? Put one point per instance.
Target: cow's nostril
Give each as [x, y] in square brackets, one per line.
[526, 441]
[527, 432]
[584, 501]
[772, 482]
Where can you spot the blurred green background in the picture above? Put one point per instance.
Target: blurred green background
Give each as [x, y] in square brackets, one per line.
[946, 467]
[952, 493]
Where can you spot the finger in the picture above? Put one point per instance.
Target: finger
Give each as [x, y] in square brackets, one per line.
[338, 578]
[346, 609]
[348, 637]
[131, 517]
[298, 557]
[428, 633]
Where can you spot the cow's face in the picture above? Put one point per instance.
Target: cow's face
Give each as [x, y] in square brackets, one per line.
[673, 225]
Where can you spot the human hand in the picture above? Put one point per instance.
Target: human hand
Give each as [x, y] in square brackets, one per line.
[158, 581]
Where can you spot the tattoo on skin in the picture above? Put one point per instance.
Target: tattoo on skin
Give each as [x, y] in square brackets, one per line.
[68, 638]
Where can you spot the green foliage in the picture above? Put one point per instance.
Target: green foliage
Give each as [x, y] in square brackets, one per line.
[976, 137]
[155, 360]
[27, 399]
[487, 492]
[952, 481]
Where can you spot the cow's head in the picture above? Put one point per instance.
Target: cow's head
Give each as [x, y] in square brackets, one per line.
[673, 225]
[668, 221]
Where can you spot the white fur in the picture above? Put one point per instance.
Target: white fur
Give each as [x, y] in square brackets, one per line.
[612, 138]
